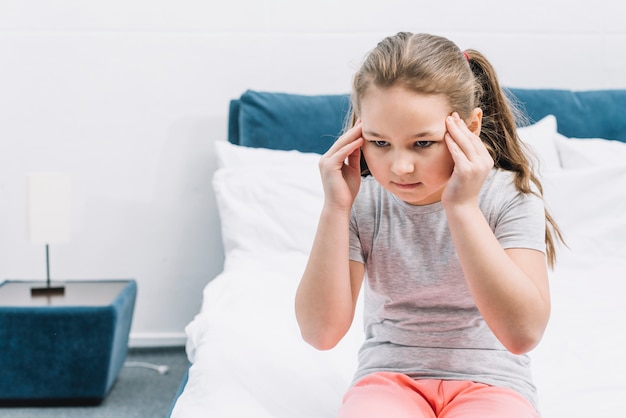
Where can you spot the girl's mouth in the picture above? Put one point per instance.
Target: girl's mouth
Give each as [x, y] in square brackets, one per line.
[406, 186]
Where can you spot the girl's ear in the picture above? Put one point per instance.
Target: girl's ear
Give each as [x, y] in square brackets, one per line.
[475, 121]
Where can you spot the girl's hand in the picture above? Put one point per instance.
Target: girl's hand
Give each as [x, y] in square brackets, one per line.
[340, 168]
[472, 163]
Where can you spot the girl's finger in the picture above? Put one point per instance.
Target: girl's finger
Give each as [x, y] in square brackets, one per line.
[459, 137]
[347, 152]
[350, 153]
[469, 142]
[456, 152]
[349, 136]
[354, 158]
[475, 140]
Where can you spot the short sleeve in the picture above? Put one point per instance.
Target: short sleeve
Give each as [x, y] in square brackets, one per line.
[356, 250]
[521, 222]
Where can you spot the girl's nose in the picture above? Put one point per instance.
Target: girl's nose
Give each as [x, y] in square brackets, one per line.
[402, 164]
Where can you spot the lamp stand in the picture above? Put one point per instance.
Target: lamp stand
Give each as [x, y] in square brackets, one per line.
[49, 290]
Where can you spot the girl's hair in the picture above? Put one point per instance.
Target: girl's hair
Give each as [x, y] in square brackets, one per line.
[429, 64]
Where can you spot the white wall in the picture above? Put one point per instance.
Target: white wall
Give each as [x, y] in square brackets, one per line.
[128, 96]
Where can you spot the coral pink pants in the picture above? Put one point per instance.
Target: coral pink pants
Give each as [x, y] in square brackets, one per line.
[398, 396]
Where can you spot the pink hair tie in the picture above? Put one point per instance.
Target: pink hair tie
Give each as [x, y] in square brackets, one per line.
[466, 56]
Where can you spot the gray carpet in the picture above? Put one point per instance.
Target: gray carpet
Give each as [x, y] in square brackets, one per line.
[138, 392]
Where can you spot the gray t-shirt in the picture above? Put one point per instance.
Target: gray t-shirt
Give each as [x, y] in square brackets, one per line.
[419, 316]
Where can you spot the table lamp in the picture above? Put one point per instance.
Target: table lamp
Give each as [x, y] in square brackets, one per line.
[48, 218]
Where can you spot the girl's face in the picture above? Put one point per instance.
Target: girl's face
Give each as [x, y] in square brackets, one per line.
[404, 142]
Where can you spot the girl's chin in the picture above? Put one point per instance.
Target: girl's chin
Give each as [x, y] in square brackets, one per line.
[413, 194]
[418, 200]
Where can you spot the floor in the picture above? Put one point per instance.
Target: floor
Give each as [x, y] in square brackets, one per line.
[139, 391]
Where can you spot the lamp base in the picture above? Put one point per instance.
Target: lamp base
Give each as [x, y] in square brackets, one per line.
[47, 291]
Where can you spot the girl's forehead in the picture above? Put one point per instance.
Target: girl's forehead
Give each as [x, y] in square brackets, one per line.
[398, 96]
[402, 106]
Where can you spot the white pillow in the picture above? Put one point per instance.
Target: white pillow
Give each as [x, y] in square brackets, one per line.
[267, 200]
[586, 152]
[540, 138]
[589, 205]
[231, 155]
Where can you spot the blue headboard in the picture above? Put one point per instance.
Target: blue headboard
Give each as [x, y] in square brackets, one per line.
[312, 123]
[287, 121]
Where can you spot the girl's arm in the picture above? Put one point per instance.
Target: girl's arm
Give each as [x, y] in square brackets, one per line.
[327, 294]
[510, 287]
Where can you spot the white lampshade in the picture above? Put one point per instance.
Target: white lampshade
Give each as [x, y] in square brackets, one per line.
[48, 206]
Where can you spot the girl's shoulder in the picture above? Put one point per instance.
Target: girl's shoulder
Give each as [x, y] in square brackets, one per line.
[499, 182]
[369, 188]
[499, 192]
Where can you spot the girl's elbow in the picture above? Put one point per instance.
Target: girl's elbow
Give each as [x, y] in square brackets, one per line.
[320, 331]
[321, 340]
[522, 345]
[323, 335]
[523, 341]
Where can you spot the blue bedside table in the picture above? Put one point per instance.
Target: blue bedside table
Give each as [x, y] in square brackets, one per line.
[63, 349]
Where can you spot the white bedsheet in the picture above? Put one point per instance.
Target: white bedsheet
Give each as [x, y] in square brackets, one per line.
[247, 354]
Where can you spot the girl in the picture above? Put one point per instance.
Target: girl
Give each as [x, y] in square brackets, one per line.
[449, 230]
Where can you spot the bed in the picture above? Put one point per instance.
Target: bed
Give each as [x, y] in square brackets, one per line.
[244, 346]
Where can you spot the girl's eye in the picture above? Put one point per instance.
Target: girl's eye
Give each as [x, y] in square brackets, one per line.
[380, 143]
[423, 144]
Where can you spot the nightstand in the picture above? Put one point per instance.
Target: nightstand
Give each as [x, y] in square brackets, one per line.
[63, 349]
